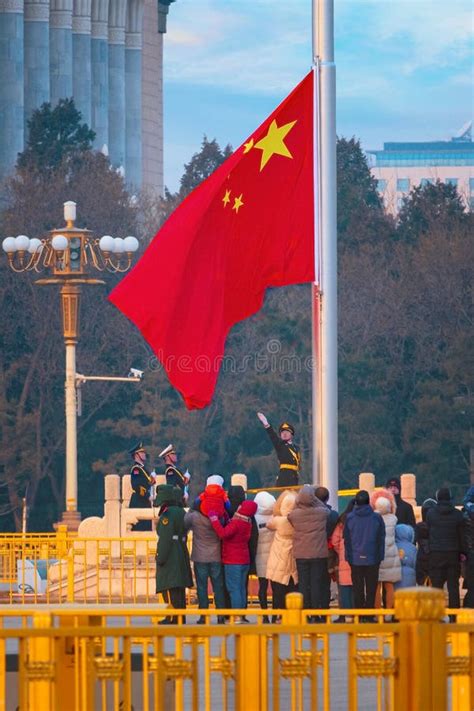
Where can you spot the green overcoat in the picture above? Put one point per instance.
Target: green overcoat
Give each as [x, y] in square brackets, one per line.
[173, 569]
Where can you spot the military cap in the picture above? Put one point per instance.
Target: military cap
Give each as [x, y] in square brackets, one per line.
[137, 448]
[167, 494]
[287, 426]
[167, 450]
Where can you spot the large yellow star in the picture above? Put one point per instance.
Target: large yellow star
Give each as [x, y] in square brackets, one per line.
[226, 198]
[273, 143]
[237, 203]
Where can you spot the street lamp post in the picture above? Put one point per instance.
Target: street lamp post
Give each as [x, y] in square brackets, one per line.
[70, 255]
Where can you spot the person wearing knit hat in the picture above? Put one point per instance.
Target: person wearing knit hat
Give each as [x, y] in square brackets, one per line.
[287, 451]
[404, 512]
[447, 542]
[235, 538]
[214, 498]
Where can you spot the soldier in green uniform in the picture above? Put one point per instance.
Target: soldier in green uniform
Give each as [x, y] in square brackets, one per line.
[173, 569]
[141, 481]
[287, 451]
[174, 475]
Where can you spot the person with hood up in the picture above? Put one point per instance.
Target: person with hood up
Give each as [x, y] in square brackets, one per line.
[214, 497]
[322, 494]
[364, 540]
[344, 577]
[235, 538]
[404, 511]
[310, 548]
[265, 504]
[447, 541]
[390, 570]
[281, 565]
[468, 512]
[237, 496]
[206, 558]
[173, 569]
[404, 538]
[421, 538]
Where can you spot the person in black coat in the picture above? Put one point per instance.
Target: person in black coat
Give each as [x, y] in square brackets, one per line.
[404, 512]
[447, 542]
[287, 451]
[468, 513]
[421, 539]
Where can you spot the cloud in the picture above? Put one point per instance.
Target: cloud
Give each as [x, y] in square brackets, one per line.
[239, 46]
[244, 46]
[404, 67]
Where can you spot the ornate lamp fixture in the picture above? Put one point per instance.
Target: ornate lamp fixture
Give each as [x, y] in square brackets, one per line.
[70, 251]
[70, 255]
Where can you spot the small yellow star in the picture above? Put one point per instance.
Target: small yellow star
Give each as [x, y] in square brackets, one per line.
[248, 146]
[226, 198]
[238, 203]
[273, 143]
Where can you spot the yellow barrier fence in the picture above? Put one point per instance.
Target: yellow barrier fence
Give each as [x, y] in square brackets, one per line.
[61, 567]
[96, 658]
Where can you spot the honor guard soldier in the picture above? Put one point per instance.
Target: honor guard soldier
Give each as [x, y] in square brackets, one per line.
[173, 570]
[287, 452]
[141, 481]
[174, 475]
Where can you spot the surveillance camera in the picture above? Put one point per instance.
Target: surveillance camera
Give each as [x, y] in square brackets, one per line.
[135, 373]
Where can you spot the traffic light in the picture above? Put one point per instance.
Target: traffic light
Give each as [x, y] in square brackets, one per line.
[75, 247]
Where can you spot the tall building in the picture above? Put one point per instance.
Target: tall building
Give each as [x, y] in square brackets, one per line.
[401, 166]
[107, 55]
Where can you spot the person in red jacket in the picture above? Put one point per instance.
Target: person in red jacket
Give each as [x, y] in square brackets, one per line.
[235, 538]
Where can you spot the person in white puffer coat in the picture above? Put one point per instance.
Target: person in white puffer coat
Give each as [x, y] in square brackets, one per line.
[265, 503]
[390, 571]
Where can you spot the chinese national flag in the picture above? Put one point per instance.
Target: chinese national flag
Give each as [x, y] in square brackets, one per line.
[249, 226]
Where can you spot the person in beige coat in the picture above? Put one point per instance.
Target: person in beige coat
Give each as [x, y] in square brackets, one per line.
[281, 565]
[390, 570]
[265, 503]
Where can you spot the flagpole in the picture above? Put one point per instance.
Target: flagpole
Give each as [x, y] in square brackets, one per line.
[325, 435]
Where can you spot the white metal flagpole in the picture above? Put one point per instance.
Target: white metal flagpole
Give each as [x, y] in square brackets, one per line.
[325, 435]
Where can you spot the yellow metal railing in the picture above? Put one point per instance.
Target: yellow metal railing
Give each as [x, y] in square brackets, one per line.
[96, 658]
[61, 568]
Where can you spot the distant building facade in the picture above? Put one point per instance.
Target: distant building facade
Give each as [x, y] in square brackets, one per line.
[107, 55]
[399, 167]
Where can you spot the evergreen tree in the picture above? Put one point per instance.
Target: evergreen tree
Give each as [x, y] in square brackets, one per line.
[202, 165]
[361, 219]
[428, 207]
[53, 134]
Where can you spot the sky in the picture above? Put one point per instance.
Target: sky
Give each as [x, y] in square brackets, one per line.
[405, 69]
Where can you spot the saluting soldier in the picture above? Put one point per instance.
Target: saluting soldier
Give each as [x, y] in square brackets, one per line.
[174, 475]
[141, 481]
[173, 569]
[287, 451]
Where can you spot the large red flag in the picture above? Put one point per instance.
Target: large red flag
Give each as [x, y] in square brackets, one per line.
[249, 226]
